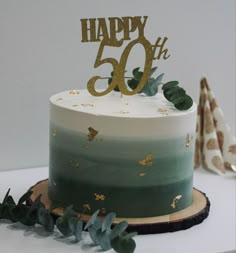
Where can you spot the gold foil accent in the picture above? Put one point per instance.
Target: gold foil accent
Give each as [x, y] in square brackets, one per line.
[54, 132]
[87, 207]
[75, 163]
[142, 174]
[99, 196]
[92, 133]
[108, 33]
[122, 112]
[87, 105]
[175, 200]
[147, 161]
[162, 110]
[74, 92]
[187, 142]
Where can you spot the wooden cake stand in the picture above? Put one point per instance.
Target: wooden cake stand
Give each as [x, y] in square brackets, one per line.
[180, 220]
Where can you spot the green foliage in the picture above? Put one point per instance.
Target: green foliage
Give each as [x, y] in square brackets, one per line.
[102, 233]
[177, 95]
[70, 223]
[151, 86]
[124, 243]
[171, 90]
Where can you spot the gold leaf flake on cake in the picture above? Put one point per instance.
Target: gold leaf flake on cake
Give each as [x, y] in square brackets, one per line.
[74, 92]
[92, 133]
[187, 141]
[75, 163]
[54, 132]
[86, 206]
[142, 174]
[122, 112]
[147, 161]
[99, 196]
[175, 200]
[87, 105]
[163, 111]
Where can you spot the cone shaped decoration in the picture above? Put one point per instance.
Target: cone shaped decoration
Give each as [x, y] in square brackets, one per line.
[215, 146]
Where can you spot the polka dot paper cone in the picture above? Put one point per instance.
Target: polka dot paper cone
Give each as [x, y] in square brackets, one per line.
[215, 145]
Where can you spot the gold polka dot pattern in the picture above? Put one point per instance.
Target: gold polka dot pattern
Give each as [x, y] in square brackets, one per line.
[215, 146]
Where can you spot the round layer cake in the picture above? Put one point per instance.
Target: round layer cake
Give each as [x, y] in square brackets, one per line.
[132, 155]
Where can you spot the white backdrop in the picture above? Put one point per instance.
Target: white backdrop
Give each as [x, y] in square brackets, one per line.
[41, 54]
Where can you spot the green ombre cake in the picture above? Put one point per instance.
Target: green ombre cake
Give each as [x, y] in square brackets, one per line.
[132, 155]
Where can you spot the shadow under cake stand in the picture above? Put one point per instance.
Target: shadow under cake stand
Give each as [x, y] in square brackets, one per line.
[181, 220]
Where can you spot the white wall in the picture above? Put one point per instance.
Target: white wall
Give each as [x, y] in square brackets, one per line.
[41, 53]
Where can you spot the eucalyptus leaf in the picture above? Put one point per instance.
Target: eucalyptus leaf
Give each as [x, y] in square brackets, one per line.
[46, 219]
[70, 212]
[10, 201]
[133, 84]
[78, 231]
[103, 239]
[122, 245]
[135, 71]
[152, 71]
[6, 196]
[118, 229]
[170, 84]
[76, 227]
[107, 222]
[18, 213]
[168, 93]
[93, 234]
[180, 92]
[184, 104]
[25, 197]
[92, 219]
[63, 226]
[130, 235]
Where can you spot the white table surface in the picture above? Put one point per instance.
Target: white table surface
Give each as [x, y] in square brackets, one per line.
[216, 234]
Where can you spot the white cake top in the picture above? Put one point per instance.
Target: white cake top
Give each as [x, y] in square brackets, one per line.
[115, 105]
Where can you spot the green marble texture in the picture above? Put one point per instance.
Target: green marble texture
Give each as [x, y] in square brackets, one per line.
[110, 173]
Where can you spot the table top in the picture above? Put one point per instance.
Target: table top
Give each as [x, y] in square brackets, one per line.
[215, 235]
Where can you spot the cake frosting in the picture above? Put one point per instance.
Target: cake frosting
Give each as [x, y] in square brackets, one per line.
[132, 155]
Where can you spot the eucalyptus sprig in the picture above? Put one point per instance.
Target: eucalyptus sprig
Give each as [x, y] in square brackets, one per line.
[171, 90]
[177, 95]
[70, 223]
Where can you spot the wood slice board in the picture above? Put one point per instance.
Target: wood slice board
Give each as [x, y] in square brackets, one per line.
[180, 220]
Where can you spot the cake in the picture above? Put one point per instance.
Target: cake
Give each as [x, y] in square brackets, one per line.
[132, 155]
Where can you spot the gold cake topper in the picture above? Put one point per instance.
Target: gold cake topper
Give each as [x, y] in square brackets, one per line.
[112, 32]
